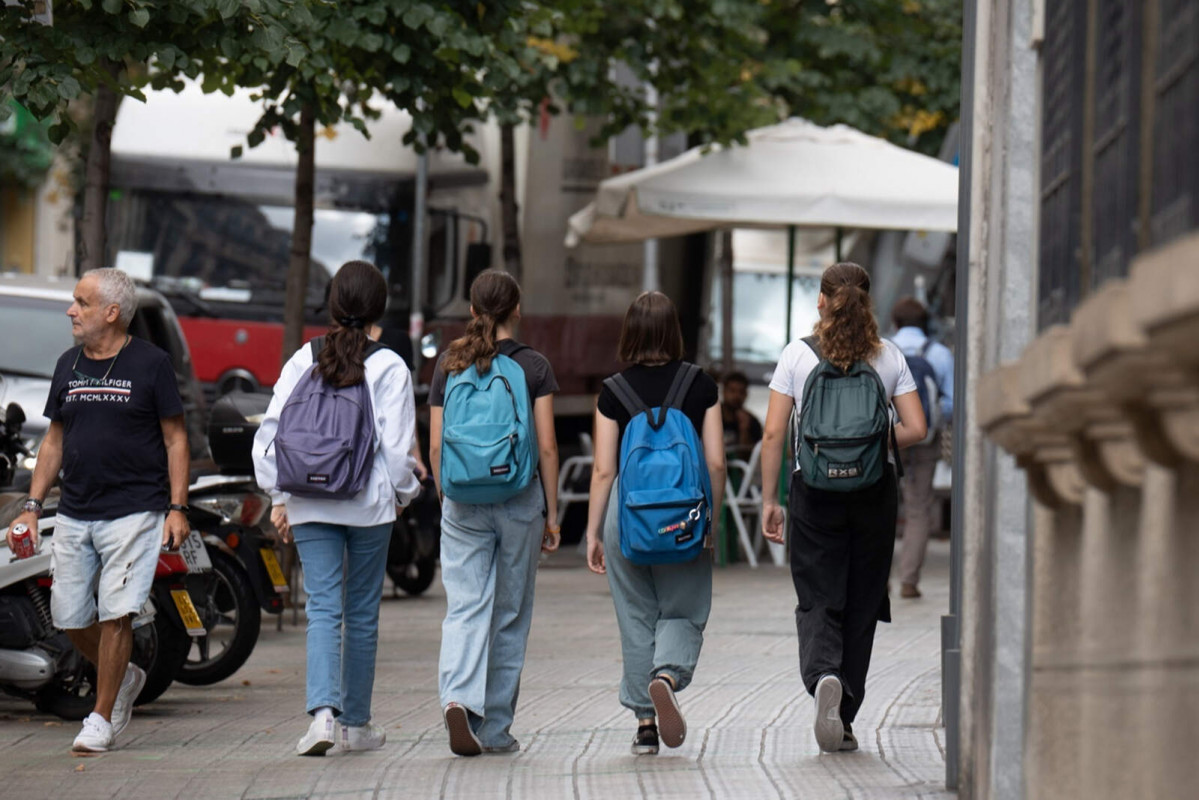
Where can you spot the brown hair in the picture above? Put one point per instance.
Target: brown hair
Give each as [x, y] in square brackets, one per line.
[908, 312]
[493, 297]
[357, 299]
[651, 333]
[847, 330]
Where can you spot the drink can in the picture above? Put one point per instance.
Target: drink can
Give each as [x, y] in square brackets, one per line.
[22, 541]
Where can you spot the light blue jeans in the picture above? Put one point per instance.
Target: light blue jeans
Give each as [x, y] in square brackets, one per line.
[488, 566]
[661, 611]
[343, 578]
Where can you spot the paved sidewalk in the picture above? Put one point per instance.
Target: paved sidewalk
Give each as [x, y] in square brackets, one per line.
[750, 723]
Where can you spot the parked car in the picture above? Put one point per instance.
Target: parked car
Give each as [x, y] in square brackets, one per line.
[35, 331]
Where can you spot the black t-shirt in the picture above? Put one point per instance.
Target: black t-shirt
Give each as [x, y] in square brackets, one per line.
[114, 460]
[539, 375]
[651, 384]
[732, 431]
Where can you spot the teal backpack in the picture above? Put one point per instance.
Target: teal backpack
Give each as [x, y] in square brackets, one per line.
[488, 439]
[844, 426]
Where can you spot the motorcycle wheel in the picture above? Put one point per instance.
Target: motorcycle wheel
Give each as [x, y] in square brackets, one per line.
[159, 648]
[231, 616]
[415, 577]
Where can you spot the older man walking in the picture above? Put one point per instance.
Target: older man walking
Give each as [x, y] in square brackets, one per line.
[117, 434]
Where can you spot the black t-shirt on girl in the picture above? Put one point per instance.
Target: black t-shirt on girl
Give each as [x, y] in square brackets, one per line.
[539, 375]
[651, 384]
[114, 460]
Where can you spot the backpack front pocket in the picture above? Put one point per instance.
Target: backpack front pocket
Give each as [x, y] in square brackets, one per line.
[480, 455]
[658, 522]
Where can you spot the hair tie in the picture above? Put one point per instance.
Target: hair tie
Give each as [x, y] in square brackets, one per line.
[351, 322]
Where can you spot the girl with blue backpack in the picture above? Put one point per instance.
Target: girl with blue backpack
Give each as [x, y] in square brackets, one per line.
[494, 457]
[659, 437]
[839, 385]
[334, 452]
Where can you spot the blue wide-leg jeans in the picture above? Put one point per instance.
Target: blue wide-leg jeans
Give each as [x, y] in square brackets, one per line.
[343, 578]
[489, 558]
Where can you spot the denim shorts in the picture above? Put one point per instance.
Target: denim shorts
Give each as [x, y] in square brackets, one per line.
[115, 558]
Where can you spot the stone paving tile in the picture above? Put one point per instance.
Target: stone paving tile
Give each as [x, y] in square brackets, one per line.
[750, 723]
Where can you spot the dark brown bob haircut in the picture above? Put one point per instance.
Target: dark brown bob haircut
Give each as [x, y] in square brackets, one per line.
[651, 333]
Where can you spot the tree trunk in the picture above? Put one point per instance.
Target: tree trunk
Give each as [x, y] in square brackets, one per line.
[508, 207]
[93, 229]
[301, 235]
[726, 301]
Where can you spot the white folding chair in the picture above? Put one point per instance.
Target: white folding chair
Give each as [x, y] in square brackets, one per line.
[745, 507]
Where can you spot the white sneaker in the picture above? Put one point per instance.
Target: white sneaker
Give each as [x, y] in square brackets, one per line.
[319, 738]
[830, 731]
[131, 687]
[362, 737]
[96, 736]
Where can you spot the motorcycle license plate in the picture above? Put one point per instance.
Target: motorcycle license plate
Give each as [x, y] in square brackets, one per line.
[274, 570]
[195, 553]
[187, 612]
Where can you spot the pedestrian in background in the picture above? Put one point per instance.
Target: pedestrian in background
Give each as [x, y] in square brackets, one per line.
[841, 540]
[910, 318]
[342, 543]
[117, 433]
[498, 471]
[742, 430]
[661, 609]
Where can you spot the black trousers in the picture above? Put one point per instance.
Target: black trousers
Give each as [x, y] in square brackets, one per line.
[841, 548]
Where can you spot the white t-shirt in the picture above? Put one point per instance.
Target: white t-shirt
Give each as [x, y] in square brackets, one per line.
[798, 360]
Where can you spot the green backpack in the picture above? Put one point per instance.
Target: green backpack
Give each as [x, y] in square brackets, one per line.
[844, 426]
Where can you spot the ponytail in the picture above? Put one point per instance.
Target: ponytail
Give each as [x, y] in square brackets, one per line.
[357, 298]
[847, 330]
[494, 296]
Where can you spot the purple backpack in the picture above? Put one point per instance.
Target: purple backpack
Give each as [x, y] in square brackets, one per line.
[325, 443]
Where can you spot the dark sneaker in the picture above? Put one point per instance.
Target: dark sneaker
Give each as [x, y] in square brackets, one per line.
[829, 730]
[645, 743]
[463, 741]
[512, 747]
[671, 724]
[849, 742]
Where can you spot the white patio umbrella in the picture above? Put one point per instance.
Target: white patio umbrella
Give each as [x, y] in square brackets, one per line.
[793, 173]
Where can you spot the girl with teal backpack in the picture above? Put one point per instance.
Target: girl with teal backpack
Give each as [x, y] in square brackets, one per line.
[495, 460]
[658, 425]
[838, 387]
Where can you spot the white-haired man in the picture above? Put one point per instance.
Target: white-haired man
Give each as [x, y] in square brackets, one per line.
[117, 434]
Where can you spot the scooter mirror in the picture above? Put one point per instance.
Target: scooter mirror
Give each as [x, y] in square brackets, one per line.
[14, 416]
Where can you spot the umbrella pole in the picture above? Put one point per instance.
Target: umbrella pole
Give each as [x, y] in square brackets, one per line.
[790, 277]
[838, 245]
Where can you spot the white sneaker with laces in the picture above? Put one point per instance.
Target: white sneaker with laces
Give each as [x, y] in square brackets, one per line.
[319, 738]
[362, 737]
[96, 736]
[131, 687]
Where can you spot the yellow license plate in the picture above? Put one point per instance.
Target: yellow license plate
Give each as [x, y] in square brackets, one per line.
[274, 570]
[188, 613]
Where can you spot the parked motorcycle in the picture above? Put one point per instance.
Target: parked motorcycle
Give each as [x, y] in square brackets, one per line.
[416, 543]
[38, 661]
[245, 578]
[13, 450]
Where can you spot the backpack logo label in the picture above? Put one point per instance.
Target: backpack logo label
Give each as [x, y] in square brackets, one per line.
[684, 537]
[501, 470]
[851, 470]
[318, 478]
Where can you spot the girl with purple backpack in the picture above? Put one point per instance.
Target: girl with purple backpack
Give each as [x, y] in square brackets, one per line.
[342, 538]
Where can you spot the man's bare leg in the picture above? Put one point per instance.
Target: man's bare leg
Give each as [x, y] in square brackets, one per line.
[108, 645]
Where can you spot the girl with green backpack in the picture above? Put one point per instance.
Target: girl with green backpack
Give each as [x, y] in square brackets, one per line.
[839, 386]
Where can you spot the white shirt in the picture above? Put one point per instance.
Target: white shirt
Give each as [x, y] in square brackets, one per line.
[798, 360]
[393, 476]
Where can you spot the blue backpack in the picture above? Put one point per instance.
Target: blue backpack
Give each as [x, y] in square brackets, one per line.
[927, 389]
[665, 490]
[488, 439]
[325, 443]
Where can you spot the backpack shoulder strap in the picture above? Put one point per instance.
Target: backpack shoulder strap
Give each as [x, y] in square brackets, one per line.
[372, 347]
[684, 376]
[619, 386]
[317, 345]
[928, 343]
[814, 343]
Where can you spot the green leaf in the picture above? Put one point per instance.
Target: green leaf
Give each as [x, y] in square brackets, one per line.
[111, 6]
[295, 54]
[464, 98]
[227, 8]
[402, 53]
[58, 132]
[68, 89]
[235, 152]
[139, 17]
[256, 137]
[85, 56]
